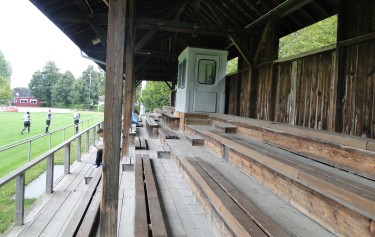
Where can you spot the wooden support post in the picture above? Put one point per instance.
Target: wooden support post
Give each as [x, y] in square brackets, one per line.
[129, 79]
[112, 118]
[93, 136]
[87, 146]
[20, 197]
[78, 158]
[67, 159]
[49, 175]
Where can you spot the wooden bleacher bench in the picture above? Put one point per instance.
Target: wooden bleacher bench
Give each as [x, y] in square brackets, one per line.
[166, 133]
[152, 126]
[147, 200]
[227, 128]
[350, 153]
[85, 218]
[171, 120]
[322, 190]
[195, 140]
[239, 214]
[140, 143]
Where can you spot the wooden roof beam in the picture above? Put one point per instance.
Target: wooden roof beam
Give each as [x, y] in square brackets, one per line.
[188, 27]
[280, 11]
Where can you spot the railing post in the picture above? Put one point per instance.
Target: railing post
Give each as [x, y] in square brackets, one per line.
[67, 159]
[78, 148]
[49, 176]
[20, 197]
[29, 155]
[87, 142]
[93, 136]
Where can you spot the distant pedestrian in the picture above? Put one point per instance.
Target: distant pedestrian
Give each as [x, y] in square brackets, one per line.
[48, 120]
[76, 117]
[26, 122]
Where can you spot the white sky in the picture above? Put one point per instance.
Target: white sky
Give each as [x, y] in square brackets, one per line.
[28, 40]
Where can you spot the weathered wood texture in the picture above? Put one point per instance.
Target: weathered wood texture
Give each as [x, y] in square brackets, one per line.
[330, 90]
[358, 103]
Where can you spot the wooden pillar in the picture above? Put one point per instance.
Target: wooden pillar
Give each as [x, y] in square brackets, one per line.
[112, 118]
[129, 79]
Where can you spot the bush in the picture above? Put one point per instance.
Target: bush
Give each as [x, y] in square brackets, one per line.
[43, 104]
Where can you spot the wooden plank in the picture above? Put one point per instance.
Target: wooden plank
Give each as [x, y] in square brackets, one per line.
[143, 144]
[156, 216]
[240, 223]
[354, 199]
[61, 218]
[269, 226]
[41, 221]
[90, 223]
[227, 128]
[140, 215]
[78, 215]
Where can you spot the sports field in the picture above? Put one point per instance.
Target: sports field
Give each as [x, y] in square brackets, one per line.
[11, 124]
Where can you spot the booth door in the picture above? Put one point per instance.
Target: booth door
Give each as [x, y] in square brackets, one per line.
[205, 83]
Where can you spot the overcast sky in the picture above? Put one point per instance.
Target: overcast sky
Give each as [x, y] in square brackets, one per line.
[28, 40]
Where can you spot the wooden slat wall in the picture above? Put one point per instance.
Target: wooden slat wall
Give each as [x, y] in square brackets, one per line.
[358, 102]
[302, 91]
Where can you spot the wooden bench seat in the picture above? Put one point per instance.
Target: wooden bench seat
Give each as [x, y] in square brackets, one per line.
[85, 219]
[258, 202]
[140, 143]
[171, 120]
[195, 140]
[350, 153]
[152, 126]
[166, 133]
[148, 216]
[225, 127]
[288, 174]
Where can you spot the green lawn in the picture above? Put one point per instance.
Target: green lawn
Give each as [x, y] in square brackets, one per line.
[11, 126]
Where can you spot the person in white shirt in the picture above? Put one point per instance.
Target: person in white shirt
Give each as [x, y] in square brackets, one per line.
[76, 117]
[48, 120]
[26, 122]
[100, 146]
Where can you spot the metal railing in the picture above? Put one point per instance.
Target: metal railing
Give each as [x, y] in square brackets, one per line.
[19, 174]
[50, 134]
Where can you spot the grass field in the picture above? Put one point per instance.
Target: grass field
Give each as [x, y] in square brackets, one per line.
[10, 130]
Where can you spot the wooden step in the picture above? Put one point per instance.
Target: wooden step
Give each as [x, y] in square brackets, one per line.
[287, 174]
[227, 128]
[195, 140]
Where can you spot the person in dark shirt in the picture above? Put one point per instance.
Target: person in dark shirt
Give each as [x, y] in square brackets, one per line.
[48, 120]
[26, 122]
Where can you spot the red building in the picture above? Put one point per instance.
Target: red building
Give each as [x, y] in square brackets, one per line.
[26, 102]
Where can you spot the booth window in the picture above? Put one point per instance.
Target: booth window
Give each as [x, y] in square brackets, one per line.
[206, 71]
[181, 74]
[23, 101]
[33, 101]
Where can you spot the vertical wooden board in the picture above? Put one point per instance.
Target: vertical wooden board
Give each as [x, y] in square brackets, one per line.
[319, 92]
[301, 89]
[368, 94]
[359, 92]
[313, 92]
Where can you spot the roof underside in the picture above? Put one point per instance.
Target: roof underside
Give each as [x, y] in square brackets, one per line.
[166, 27]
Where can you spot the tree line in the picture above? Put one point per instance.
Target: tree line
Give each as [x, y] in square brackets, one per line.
[53, 87]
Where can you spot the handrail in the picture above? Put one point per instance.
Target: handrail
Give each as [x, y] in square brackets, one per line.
[19, 173]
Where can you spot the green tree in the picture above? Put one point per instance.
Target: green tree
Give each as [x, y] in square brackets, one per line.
[62, 88]
[232, 65]
[155, 95]
[5, 68]
[318, 35]
[42, 82]
[86, 88]
[5, 90]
